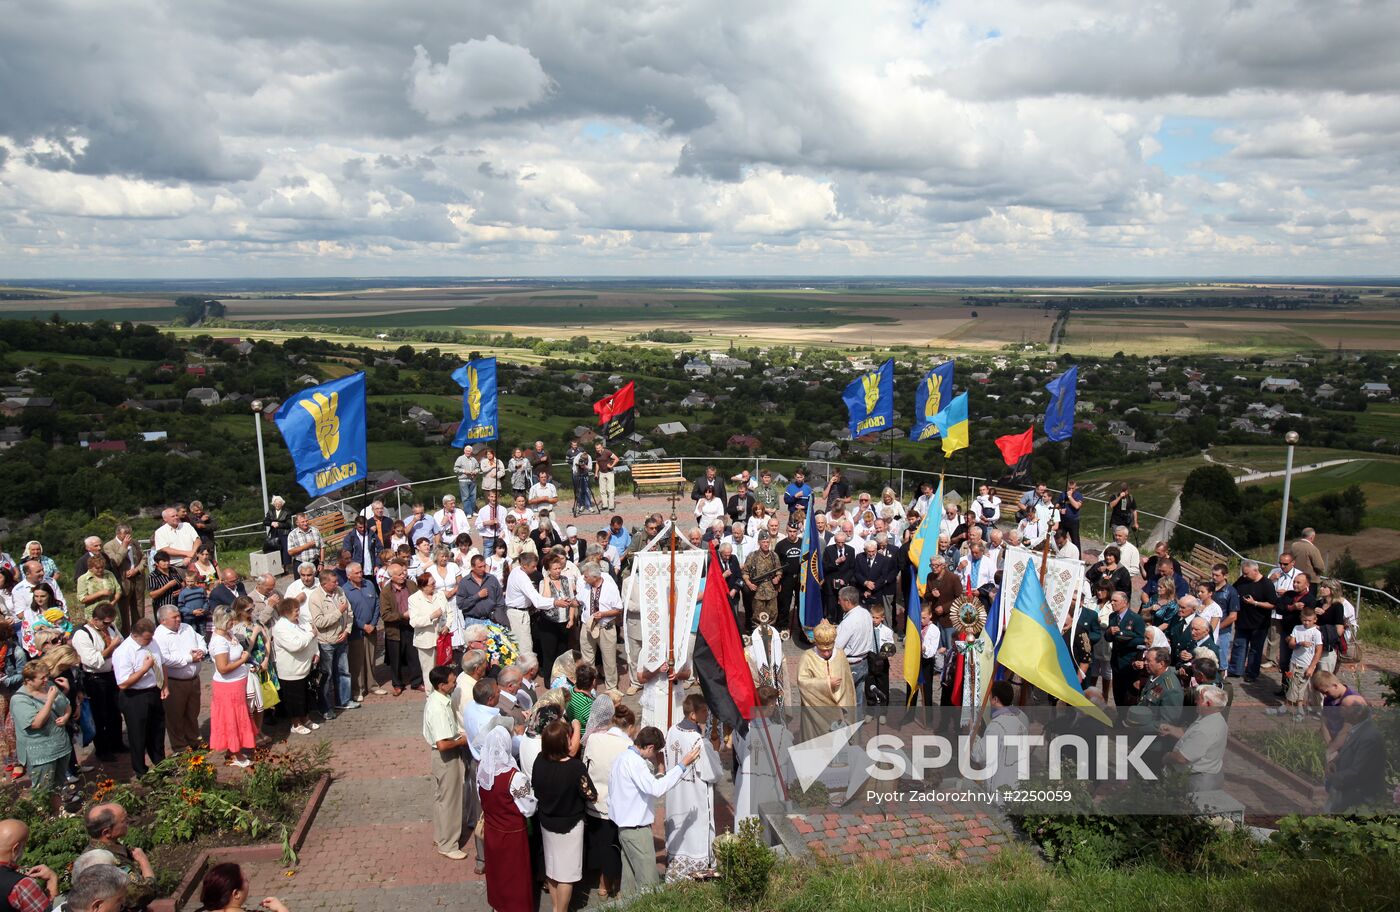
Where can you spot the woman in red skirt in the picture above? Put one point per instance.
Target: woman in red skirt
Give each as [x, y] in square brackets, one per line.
[230, 724]
[506, 800]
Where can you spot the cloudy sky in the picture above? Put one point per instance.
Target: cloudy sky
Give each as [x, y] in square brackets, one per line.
[663, 137]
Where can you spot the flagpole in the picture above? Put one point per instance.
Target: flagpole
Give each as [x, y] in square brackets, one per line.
[890, 482]
[671, 627]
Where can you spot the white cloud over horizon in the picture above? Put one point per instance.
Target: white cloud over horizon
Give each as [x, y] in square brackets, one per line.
[654, 137]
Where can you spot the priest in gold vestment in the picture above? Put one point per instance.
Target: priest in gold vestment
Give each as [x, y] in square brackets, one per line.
[824, 684]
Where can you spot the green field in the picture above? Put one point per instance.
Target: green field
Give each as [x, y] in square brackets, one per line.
[1379, 480]
[110, 314]
[750, 309]
[112, 365]
[1381, 419]
[1156, 483]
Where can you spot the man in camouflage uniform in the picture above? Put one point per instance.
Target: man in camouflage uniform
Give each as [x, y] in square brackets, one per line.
[763, 571]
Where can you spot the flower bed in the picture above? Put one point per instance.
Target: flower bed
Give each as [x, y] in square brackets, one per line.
[185, 806]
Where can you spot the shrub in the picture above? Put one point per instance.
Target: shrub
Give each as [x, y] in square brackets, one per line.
[1081, 843]
[744, 863]
[1339, 839]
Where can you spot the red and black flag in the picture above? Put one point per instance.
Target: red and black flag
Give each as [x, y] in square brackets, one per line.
[719, 660]
[618, 413]
[1016, 451]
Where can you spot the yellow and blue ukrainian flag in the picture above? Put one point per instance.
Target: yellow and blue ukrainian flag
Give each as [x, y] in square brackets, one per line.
[1033, 648]
[922, 547]
[952, 424]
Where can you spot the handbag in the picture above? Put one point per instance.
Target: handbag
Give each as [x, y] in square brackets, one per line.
[442, 655]
[270, 696]
[315, 678]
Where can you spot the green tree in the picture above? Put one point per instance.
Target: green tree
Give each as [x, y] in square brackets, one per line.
[1212, 483]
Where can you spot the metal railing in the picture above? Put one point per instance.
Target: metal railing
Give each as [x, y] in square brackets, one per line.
[898, 479]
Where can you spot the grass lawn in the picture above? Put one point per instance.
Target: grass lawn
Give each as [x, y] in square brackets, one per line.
[1016, 883]
[1154, 484]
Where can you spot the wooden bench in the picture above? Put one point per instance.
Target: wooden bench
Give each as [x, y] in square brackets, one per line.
[1197, 567]
[333, 528]
[1010, 500]
[656, 476]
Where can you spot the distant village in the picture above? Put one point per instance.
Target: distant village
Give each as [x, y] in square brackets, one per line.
[135, 395]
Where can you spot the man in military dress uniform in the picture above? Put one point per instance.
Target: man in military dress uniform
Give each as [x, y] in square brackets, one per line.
[762, 574]
[1161, 690]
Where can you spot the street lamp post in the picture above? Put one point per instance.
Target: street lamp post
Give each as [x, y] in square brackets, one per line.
[262, 464]
[1291, 438]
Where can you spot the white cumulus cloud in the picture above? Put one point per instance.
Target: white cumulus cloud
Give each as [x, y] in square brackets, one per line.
[480, 77]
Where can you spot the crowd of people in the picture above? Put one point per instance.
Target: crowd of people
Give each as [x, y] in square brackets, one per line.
[513, 626]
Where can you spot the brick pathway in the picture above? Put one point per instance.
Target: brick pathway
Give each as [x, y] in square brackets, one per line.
[371, 846]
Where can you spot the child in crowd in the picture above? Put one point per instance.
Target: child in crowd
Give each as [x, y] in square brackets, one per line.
[381, 572]
[878, 680]
[610, 555]
[935, 654]
[497, 564]
[581, 702]
[1306, 643]
[193, 602]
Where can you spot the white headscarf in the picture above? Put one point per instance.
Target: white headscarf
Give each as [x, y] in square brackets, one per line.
[495, 756]
[600, 717]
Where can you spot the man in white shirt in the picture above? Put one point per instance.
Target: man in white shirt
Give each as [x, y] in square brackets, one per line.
[95, 642]
[178, 539]
[977, 569]
[466, 468]
[491, 522]
[521, 597]
[542, 493]
[855, 637]
[602, 613]
[141, 682]
[301, 587]
[22, 596]
[451, 519]
[743, 545]
[1064, 546]
[1129, 555]
[632, 792]
[181, 651]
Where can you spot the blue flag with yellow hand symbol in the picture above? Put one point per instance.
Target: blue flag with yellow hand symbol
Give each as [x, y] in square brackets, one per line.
[1059, 413]
[934, 392]
[324, 427]
[479, 412]
[870, 401]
